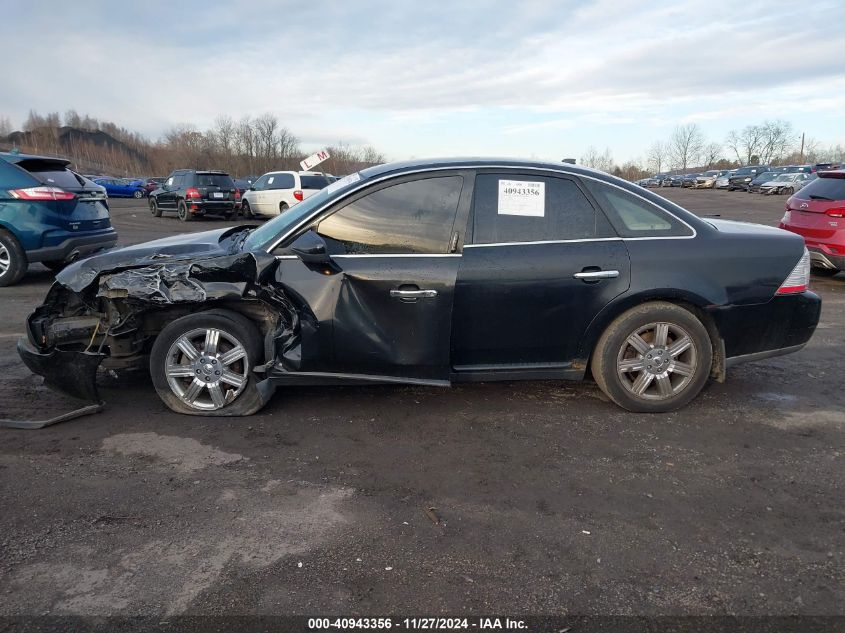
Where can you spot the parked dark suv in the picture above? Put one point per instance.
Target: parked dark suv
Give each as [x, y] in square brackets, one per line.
[191, 193]
[48, 214]
[743, 176]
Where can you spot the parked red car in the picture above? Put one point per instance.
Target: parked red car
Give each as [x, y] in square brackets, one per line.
[817, 212]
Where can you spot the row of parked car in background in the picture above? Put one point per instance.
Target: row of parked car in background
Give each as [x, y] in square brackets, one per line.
[764, 179]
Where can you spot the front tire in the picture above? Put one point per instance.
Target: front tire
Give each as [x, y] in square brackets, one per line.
[13, 261]
[138, 194]
[246, 209]
[653, 358]
[183, 213]
[154, 208]
[202, 364]
[824, 272]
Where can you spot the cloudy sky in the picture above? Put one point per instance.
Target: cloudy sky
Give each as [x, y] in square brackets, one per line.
[422, 77]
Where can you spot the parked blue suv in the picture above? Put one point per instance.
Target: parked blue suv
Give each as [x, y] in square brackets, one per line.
[48, 214]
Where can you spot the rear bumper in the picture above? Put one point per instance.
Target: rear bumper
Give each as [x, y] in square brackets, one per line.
[821, 257]
[780, 326]
[224, 207]
[74, 247]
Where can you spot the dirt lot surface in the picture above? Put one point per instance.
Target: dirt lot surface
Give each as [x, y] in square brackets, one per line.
[548, 499]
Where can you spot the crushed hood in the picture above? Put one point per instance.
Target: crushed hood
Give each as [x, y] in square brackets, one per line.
[175, 249]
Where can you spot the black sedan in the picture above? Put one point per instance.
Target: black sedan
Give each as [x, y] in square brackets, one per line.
[435, 272]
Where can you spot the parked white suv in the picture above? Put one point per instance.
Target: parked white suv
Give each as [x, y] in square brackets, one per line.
[277, 191]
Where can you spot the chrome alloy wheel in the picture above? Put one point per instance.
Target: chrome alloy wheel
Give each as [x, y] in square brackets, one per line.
[207, 368]
[657, 361]
[5, 259]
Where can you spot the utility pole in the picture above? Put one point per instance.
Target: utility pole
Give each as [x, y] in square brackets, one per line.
[802, 147]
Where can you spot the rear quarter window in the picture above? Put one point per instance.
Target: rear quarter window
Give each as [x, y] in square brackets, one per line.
[12, 177]
[313, 182]
[832, 188]
[633, 216]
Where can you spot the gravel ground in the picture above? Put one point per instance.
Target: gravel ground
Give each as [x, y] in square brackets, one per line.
[546, 498]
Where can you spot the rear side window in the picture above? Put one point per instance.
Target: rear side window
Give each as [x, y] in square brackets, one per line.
[633, 216]
[528, 208]
[411, 217]
[223, 181]
[12, 177]
[313, 182]
[281, 181]
[823, 188]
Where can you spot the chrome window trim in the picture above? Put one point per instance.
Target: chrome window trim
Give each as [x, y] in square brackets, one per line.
[397, 255]
[586, 239]
[366, 183]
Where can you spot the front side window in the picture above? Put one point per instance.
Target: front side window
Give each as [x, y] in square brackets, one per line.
[632, 216]
[527, 208]
[407, 218]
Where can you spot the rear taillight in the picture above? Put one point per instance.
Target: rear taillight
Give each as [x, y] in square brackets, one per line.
[237, 194]
[193, 194]
[836, 212]
[799, 278]
[42, 193]
[298, 195]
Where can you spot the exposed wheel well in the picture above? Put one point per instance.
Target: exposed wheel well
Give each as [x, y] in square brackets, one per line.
[717, 369]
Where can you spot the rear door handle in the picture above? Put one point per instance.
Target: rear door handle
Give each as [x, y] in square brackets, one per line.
[594, 275]
[413, 294]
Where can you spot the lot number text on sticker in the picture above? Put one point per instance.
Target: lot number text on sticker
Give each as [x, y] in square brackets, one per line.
[520, 197]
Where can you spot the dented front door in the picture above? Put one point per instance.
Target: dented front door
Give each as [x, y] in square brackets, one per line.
[386, 308]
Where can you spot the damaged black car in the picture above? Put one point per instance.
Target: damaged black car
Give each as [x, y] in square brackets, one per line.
[435, 272]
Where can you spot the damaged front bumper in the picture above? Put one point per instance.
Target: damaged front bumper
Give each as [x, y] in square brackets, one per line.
[72, 373]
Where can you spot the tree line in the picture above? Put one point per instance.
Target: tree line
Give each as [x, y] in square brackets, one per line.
[246, 146]
[687, 149]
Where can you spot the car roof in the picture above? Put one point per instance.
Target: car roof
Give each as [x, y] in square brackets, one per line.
[832, 173]
[480, 163]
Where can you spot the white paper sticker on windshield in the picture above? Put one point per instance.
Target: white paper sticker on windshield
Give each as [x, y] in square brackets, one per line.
[520, 197]
[346, 180]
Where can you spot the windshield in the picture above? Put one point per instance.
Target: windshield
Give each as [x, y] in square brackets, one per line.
[783, 177]
[265, 235]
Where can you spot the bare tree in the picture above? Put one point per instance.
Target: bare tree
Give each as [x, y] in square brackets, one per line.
[224, 134]
[657, 154]
[747, 143]
[711, 153]
[5, 126]
[778, 139]
[685, 145]
[602, 162]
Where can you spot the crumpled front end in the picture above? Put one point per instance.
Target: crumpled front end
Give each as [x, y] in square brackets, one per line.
[110, 318]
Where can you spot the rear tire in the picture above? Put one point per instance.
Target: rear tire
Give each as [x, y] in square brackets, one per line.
[654, 358]
[191, 386]
[283, 206]
[154, 208]
[183, 213]
[13, 261]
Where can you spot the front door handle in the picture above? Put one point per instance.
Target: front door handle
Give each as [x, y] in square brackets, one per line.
[595, 275]
[413, 294]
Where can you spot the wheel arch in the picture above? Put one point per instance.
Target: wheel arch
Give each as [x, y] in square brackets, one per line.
[683, 298]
